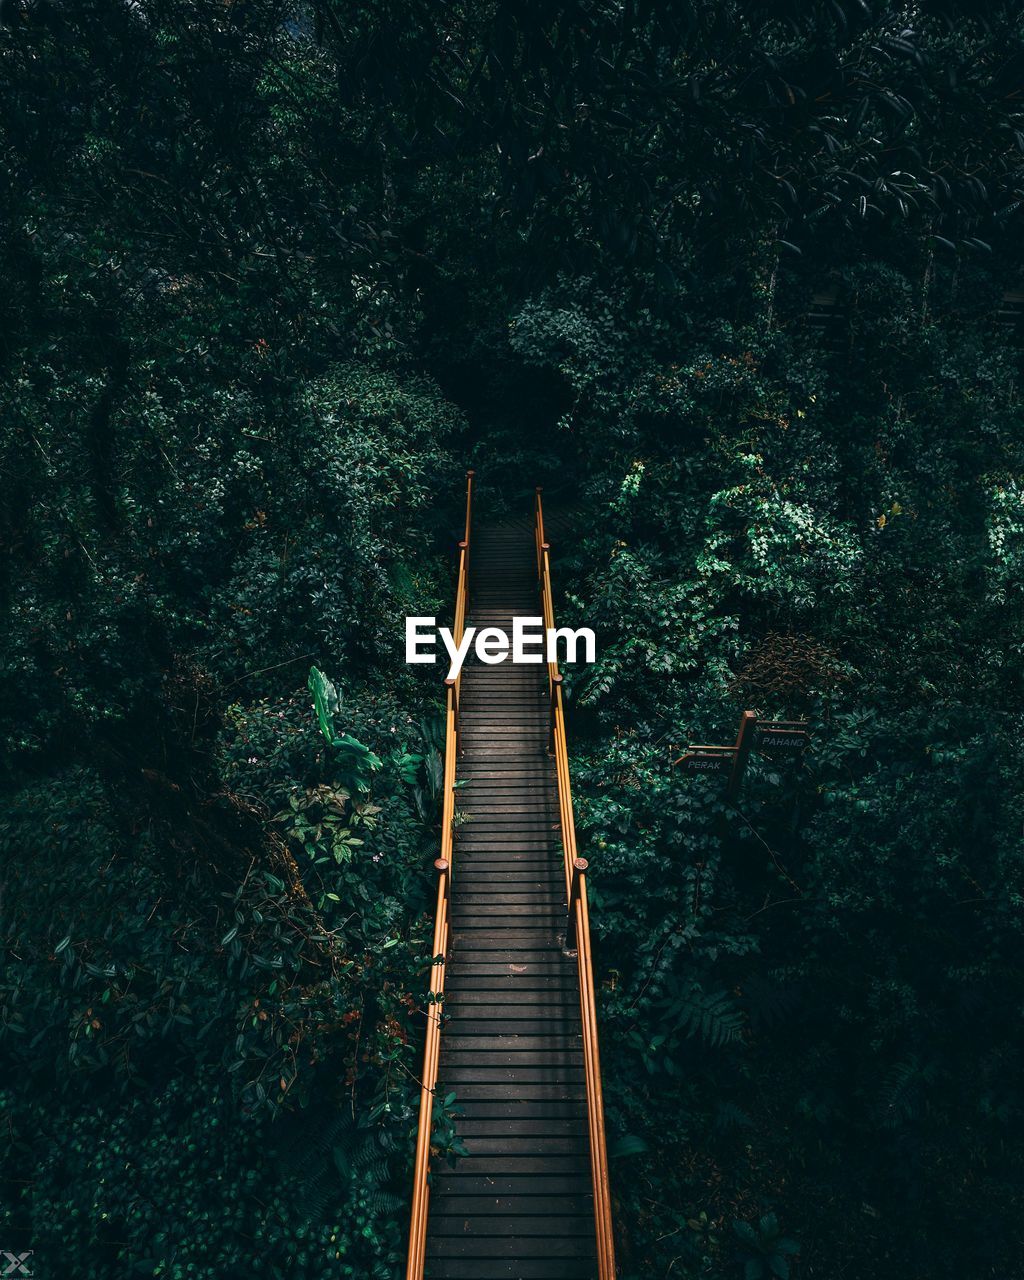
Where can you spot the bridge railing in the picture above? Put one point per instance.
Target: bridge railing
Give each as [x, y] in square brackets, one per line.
[444, 865]
[578, 927]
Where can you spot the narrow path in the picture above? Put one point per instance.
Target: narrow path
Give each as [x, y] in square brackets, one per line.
[519, 1206]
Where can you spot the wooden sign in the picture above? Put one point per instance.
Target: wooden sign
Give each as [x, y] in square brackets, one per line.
[783, 735]
[783, 739]
[706, 761]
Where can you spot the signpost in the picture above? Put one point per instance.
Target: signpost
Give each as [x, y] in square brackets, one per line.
[786, 736]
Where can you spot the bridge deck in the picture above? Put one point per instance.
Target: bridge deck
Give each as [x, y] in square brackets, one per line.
[519, 1205]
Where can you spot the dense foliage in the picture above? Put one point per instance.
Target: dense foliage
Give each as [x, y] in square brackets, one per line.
[737, 283]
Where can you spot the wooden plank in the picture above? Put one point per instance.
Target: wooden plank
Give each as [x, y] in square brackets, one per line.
[476, 878]
[496, 1166]
[533, 723]
[566, 1076]
[548, 901]
[493, 935]
[510, 807]
[509, 842]
[513, 1016]
[511, 1011]
[557, 1024]
[520, 1247]
[493, 856]
[511, 1269]
[511, 1146]
[503, 828]
[527, 1127]
[506, 872]
[527, 800]
[479, 888]
[497, 709]
[524, 999]
[521, 1109]
[471, 882]
[500, 829]
[524, 864]
[514, 1208]
[491, 1091]
[515, 798]
[559, 1059]
[519, 975]
[480, 992]
[481, 1183]
[498, 717]
[483, 813]
[474, 986]
[535, 1225]
[481, 911]
[508, 738]
[474, 887]
[538, 769]
[505, 940]
[490, 1042]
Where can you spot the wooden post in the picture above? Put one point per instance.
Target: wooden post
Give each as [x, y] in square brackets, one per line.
[741, 751]
[538, 531]
[579, 866]
[556, 683]
[451, 682]
[464, 578]
[469, 503]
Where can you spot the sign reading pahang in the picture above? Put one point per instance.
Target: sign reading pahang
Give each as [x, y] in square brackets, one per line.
[531, 641]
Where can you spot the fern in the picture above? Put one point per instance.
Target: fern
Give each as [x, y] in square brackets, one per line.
[902, 1087]
[601, 680]
[708, 1016]
[729, 1117]
[326, 1153]
[770, 1001]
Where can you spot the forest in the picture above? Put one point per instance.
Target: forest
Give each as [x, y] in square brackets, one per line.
[742, 287]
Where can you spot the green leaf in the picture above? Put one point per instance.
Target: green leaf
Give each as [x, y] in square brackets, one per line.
[630, 1144]
[325, 700]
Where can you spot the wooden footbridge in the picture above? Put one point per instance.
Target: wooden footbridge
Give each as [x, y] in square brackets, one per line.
[511, 1023]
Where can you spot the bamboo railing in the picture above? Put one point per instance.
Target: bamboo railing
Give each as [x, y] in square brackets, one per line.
[435, 1004]
[578, 922]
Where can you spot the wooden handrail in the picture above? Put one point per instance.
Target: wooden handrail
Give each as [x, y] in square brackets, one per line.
[578, 922]
[444, 865]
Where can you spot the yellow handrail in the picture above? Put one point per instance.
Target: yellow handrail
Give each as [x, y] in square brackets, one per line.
[579, 918]
[435, 1006]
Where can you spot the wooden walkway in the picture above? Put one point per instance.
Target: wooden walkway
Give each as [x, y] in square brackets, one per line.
[519, 1205]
